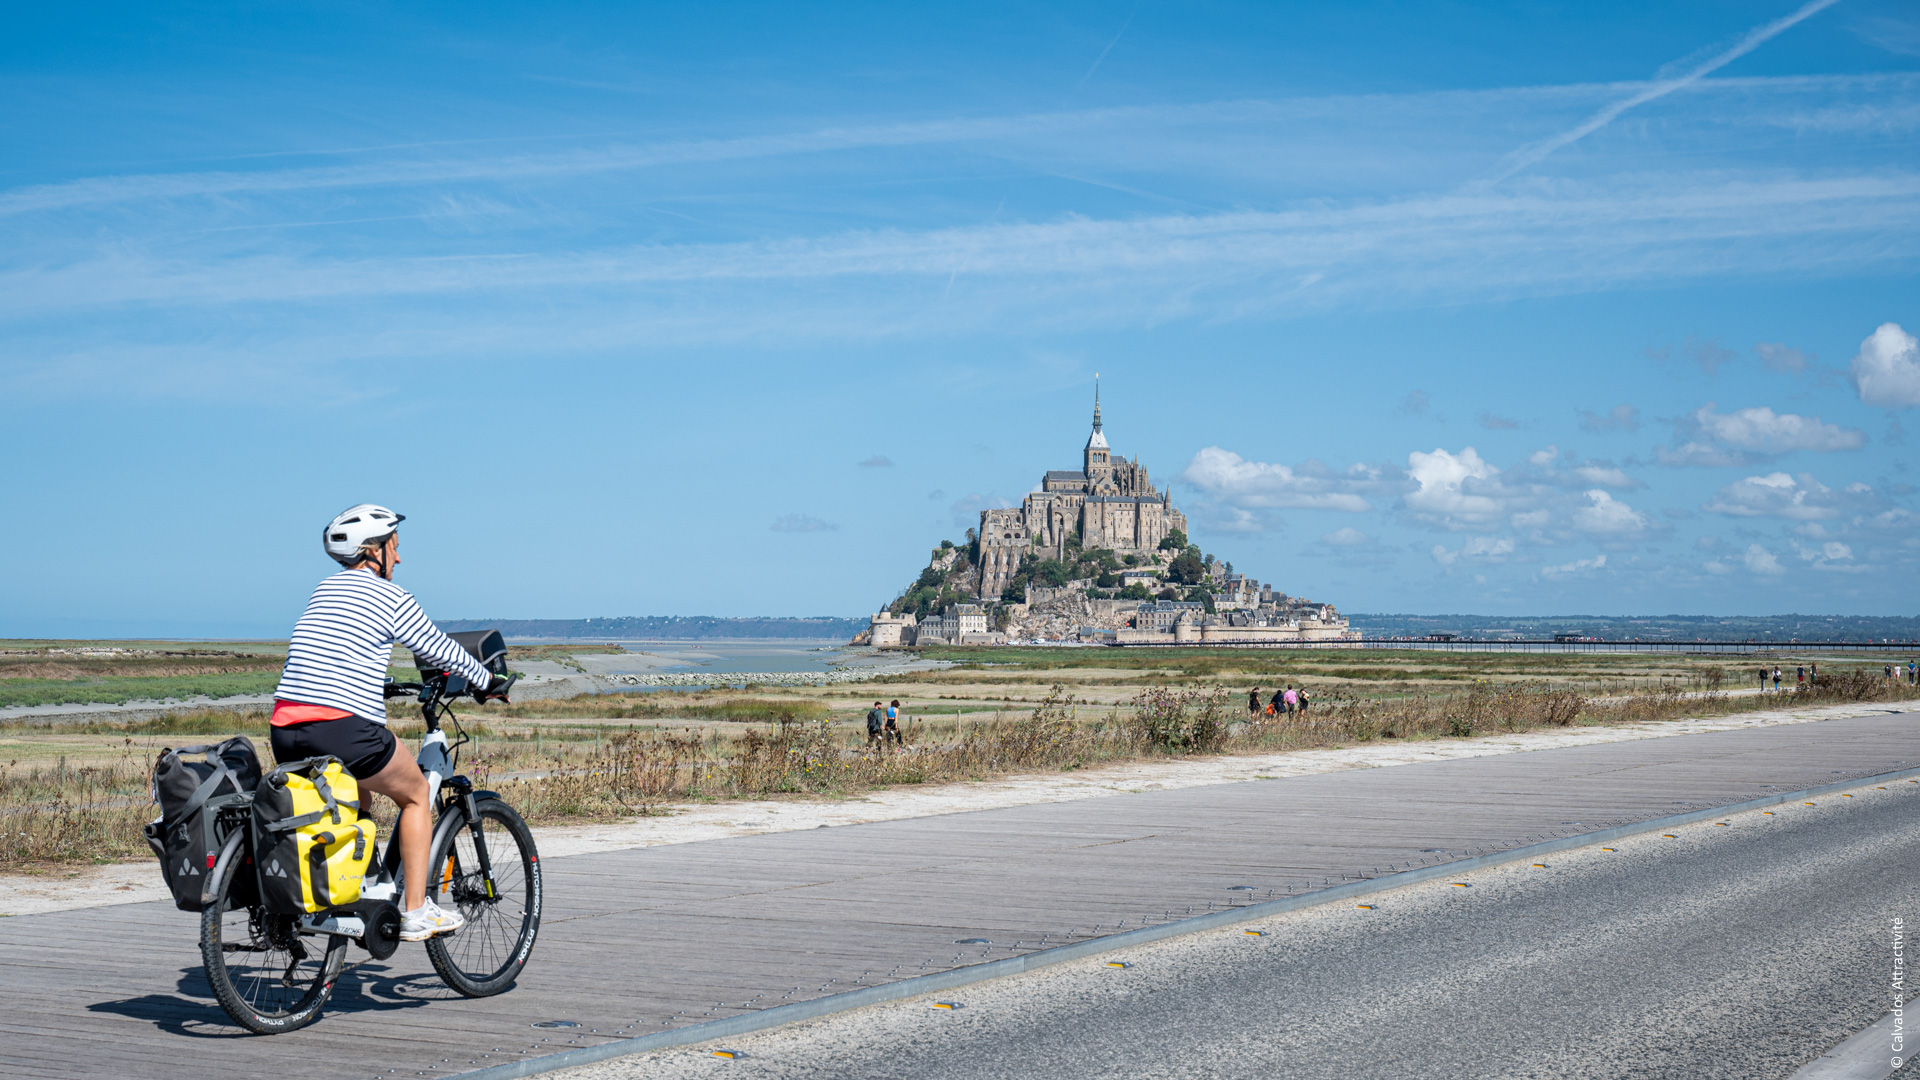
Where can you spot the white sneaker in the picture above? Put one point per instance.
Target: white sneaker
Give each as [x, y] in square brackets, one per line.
[428, 920]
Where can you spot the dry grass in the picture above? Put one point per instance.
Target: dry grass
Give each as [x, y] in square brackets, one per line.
[556, 764]
[63, 814]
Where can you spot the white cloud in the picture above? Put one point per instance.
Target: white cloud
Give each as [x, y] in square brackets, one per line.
[1451, 487]
[1608, 516]
[1782, 496]
[1698, 453]
[1346, 536]
[1832, 556]
[1605, 476]
[1245, 484]
[1481, 548]
[1761, 561]
[1578, 566]
[1746, 436]
[802, 523]
[1886, 371]
[1762, 429]
[1544, 456]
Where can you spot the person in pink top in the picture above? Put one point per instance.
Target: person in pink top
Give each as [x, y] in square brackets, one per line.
[1292, 699]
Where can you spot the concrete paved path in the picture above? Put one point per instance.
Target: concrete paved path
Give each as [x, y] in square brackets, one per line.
[649, 939]
[1761, 949]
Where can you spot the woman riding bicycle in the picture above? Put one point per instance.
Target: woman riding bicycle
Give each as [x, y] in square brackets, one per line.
[329, 699]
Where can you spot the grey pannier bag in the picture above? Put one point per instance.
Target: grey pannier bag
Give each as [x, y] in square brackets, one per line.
[183, 836]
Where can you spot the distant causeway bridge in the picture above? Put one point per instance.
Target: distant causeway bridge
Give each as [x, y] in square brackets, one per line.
[1447, 643]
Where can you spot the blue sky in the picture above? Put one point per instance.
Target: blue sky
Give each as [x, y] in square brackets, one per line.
[737, 309]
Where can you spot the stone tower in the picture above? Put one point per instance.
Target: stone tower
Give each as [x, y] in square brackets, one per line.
[1097, 463]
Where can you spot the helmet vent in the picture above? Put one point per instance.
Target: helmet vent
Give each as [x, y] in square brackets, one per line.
[339, 536]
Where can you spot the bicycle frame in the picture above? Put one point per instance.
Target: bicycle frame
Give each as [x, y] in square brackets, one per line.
[446, 790]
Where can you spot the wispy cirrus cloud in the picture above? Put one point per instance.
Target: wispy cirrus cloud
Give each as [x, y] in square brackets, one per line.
[1692, 73]
[1259, 263]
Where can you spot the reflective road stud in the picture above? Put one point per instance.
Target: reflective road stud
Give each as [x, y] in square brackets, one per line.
[1460, 885]
[1609, 849]
[1117, 964]
[728, 1054]
[1364, 907]
[948, 1005]
[1539, 866]
[1254, 933]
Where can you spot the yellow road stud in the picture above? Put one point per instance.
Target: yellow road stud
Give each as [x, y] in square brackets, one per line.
[728, 1054]
[948, 1005]
[1116, 963]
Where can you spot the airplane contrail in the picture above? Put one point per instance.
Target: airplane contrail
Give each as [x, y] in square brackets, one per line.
[1754, 38]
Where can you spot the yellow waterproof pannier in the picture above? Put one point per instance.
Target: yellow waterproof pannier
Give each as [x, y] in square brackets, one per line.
[312, 844]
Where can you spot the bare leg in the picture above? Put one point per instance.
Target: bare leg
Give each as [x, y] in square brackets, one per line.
[403, 782]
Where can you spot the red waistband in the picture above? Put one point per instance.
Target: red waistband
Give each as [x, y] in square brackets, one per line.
[292, 712]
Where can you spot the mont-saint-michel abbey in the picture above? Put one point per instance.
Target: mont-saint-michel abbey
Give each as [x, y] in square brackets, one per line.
[1096, 555]
[1105, 503]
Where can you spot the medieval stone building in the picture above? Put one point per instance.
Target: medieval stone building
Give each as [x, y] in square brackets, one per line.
[1108, 503]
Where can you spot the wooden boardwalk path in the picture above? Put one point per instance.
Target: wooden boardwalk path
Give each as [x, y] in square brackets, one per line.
[643, 940]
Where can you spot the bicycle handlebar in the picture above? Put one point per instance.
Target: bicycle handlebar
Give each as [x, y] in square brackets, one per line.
[434, 689]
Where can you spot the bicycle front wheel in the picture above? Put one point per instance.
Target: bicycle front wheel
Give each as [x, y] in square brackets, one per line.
[502, 909]
[267, 976]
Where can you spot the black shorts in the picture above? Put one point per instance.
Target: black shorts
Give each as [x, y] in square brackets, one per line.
[363, 746]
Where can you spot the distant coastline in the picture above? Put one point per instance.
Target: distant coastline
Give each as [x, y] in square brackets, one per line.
[1781, 628]
[670, 628]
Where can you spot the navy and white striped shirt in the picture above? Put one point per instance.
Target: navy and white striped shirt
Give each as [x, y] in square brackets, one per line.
[338, 655]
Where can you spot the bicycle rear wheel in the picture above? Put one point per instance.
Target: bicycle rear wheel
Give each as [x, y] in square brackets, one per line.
[268, 977]
[485, 956]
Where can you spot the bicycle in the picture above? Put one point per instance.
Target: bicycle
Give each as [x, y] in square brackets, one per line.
[273, 973]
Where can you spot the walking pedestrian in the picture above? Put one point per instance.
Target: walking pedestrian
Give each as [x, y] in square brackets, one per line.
[1776, 680]
[1253, 703]
[1763, 680]
[1303, 702]
[1800, 676]
[1274, 706]
[1292, 700]
[876, 720]
[892, 730]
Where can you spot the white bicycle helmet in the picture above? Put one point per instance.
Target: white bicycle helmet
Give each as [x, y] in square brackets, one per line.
[356, 526]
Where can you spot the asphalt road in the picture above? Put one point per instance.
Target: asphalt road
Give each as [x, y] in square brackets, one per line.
[1741, 951]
